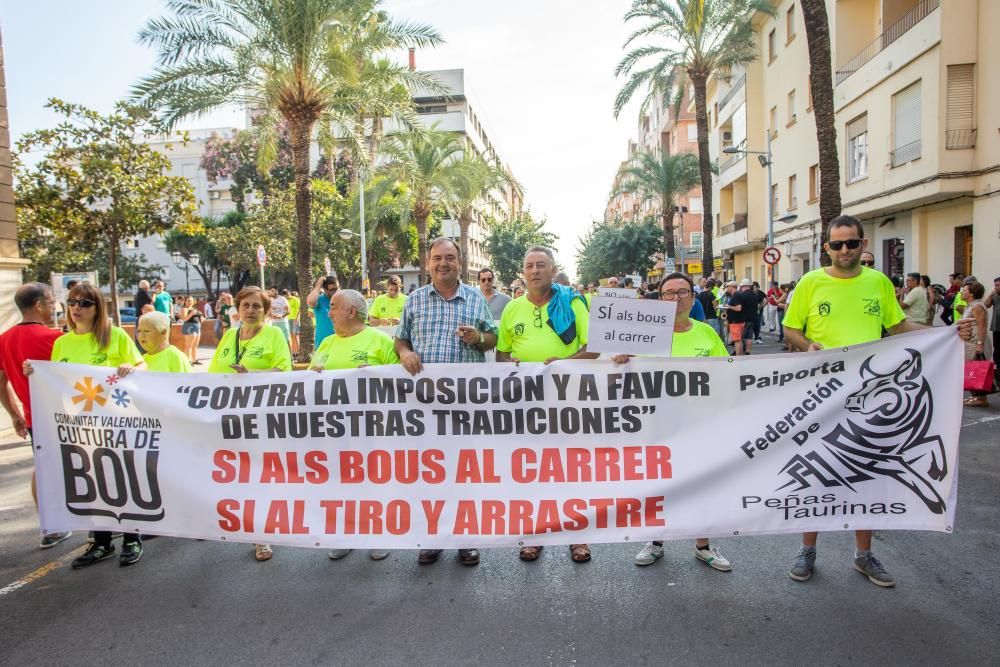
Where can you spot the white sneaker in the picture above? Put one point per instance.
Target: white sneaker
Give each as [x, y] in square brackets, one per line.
[649, 554]
[713, 558]
[337, 554]
[375, 554]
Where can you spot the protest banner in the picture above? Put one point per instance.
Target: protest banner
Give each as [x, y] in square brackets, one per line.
[618, 292]
[631, 326]
[481, 455]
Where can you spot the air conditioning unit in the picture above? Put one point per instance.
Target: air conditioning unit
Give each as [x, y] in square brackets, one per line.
[727, 137]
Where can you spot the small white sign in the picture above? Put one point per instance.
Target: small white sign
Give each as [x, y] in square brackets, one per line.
[60, 280]
[618, 292]
[638, 326]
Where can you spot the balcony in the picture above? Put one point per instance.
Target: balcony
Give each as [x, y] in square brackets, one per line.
[904, 154]
[736, 87]
[738, 223]
[959, 139]
[730, 161]
[911, 18]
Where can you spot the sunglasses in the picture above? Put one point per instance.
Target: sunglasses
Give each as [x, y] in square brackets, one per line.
[83, 303]
[866, 262]
[852, 244]
[485, 280]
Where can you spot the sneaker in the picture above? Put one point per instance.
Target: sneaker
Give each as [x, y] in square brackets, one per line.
[94, 554]
[337, 554]
[870, 566]
[131, 553]
[713, 558]
[378, 555]
[649, 554]
[802, 567]
[52, 539]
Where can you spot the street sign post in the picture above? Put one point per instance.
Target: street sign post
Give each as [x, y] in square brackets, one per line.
[261, 261]
[772, 255]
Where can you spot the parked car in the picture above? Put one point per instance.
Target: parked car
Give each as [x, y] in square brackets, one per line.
[127, 315]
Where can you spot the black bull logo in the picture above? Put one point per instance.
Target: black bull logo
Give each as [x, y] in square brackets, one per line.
[890, 441]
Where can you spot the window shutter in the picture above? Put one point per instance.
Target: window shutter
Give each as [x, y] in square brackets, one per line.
[906, 121]
[857, 127]
[961, 97]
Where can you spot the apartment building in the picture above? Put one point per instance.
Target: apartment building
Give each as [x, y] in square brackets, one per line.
[919, 149]
[662, 130]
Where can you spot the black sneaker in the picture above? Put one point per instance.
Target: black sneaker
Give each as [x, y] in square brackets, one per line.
[131, 553]
[52, 539]
[94, 554]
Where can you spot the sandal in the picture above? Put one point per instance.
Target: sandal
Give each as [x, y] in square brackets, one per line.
[530, 553]
[262, 552]
[977, 402]
[580, 553]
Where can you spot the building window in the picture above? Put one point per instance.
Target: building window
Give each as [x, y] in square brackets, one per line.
[793, 198]
[791, 108]
[772, 51]
[790, 24]
[696, 238]
[857, 149]
[132, 243]
[775, 202]
[695, 205]
[814, 183]
[693, 132]
[961, 105]
[906, 125]
[773, 127]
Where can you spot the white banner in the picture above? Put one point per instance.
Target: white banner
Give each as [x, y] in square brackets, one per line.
[502, 455]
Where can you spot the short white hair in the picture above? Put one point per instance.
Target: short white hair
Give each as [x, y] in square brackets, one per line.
[160, 321]
[355, 299]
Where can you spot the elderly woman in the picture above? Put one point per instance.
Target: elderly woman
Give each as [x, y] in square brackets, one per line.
[92, 340]
[353, 345]
[255, 347]
[154, 336]
[979, 346]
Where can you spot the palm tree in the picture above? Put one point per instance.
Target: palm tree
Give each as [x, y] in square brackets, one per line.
[288, 59]
[697, 39]
[821, 81]
[474, 178]
[663, 180]
[427, 162]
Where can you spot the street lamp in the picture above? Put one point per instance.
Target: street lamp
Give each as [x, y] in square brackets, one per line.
[346, 234]
[765, 159]
[192, 259]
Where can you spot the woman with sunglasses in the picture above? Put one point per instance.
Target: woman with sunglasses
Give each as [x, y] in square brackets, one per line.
[93, 341]
[255, 347]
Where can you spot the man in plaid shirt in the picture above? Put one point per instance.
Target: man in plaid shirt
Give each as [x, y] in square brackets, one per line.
[446, 322]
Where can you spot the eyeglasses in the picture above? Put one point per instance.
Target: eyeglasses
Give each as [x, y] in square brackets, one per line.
[852, 244]
[670, 294]
[867, 262]
[83, 303]
[485, 280]
[538, 317]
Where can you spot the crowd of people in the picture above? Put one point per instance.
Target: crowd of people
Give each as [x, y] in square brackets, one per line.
[544, 319]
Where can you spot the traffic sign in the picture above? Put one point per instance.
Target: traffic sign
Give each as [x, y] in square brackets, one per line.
[669, 266]
[261, 255]
[771, 255]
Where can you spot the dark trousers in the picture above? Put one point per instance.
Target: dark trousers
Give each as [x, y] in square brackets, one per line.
[996, 348]
[781, 324]
[103, 538]
[756, 324]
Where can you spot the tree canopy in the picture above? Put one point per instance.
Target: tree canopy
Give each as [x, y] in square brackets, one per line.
[509, 239]
[609, 248]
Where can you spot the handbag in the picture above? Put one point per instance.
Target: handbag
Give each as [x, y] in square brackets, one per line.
[980, 375]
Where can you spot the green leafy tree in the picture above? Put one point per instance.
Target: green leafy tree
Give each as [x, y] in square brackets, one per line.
[509, 239]
[662, 180]
[193, 241]
[609, 248]
[237, 158]
[97, 185]
[287, 58]
[428, 163]
[691, 40]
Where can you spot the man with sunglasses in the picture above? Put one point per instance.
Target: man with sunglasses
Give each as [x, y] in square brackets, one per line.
[319, 300]
[868, 259]
[840, 305]
[494, 299]
[547, 323]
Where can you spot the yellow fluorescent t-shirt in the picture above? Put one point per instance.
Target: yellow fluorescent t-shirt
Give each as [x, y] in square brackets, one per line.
[77, 348]
[266, 350]
[170, 360]
[368, 347]
[525, 333]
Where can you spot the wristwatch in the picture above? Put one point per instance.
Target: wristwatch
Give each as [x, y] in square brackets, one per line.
[482, 338]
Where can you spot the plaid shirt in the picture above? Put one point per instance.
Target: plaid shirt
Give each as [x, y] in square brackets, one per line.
[430, 324]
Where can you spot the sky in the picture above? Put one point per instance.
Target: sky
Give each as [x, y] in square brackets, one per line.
[540, 74]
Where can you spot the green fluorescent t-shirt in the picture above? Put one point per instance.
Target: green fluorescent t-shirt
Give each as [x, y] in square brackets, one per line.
[266, 350]
[385, 308]
[698, 341]
[525, 333]
[369, 347]
[843, 311]
[294, 304]
[170, 360]
[74, 348]
[956, 315]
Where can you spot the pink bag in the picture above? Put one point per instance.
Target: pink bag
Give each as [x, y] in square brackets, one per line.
[979, 375]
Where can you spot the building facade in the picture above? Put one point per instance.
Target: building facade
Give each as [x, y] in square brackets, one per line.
[918, 143]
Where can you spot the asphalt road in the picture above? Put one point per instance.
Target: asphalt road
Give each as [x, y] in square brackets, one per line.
[196, 603]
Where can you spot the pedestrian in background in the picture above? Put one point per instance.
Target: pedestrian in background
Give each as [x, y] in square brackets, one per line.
[980, 346]
[496, 300]
[993, 301]
[318, 301]
[191, 329]
[913, 300]
[162, 301]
